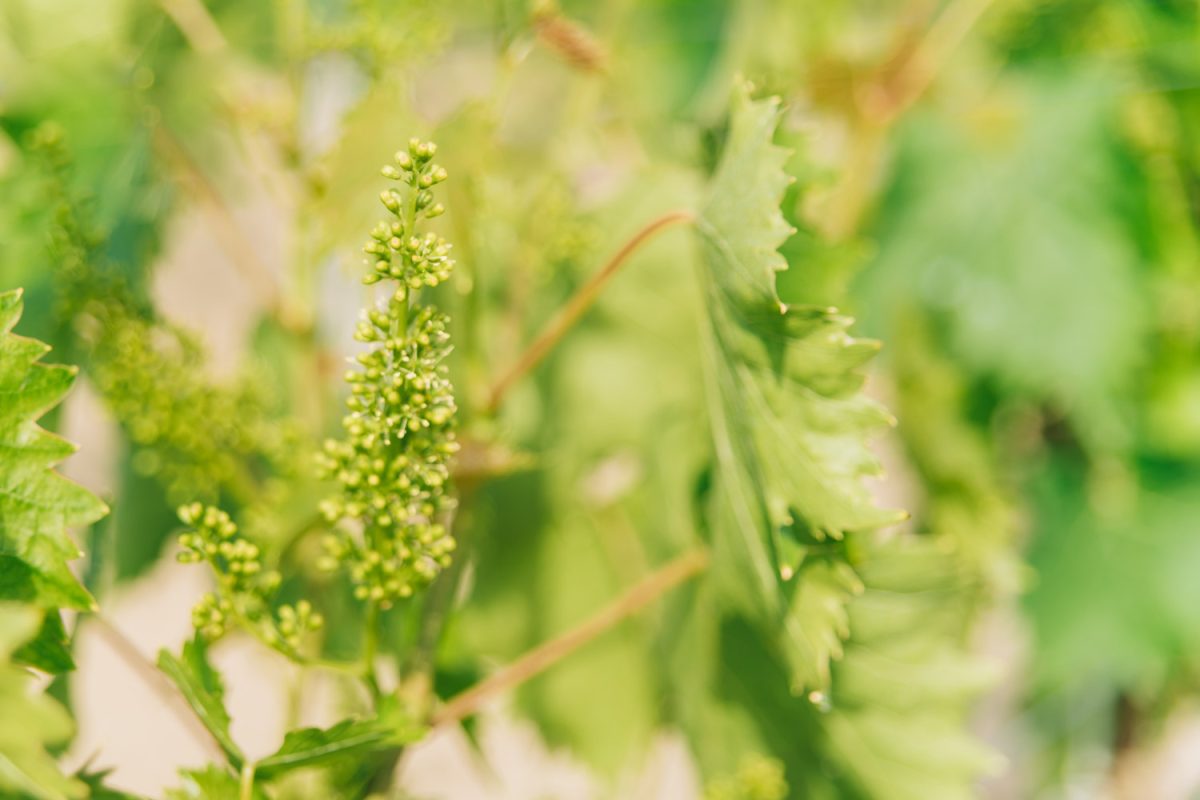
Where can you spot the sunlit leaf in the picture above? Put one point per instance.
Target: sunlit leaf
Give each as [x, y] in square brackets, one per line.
[204, 691]
[789, 421]
[37, 505]
[349, 739]
[29, 721]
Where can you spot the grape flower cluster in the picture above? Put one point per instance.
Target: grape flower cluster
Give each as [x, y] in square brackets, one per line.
[244, 587]
[392, 465]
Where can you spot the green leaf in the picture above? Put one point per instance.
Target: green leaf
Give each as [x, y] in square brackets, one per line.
[29, 721]
[351, 738]
[37, 506]
[818, 619]
[990, 234]
[142, 520]
[49, 650]
[202, 688]
[892, 725]
[96, 788]
[741, 223]
[790, 424]
[210, 783]
[902, 692]
[1150, 628]
[803, 594]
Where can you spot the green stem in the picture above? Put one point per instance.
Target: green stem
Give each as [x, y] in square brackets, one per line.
[371, 648]
[440, 599]
[410, 224]
[246, 788]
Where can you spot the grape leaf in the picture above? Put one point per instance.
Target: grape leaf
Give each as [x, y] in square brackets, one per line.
[350, 738]
[29, 721]
[210, 783]
[49, 650]
[1150, 629]
[890, 727]
[789, 422]
[94, 780]
[202, 688]
[902, 691]
[818, 620]
[36, 504]
[872, 627]
[1051, 200]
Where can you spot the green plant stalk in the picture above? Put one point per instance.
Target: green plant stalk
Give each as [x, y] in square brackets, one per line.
[371, 648]
[246, 784]
[438, 602]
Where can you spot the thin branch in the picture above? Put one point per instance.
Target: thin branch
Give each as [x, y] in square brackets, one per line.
[442, 593]
[546, 655]
[852, 193]
[128, 652]
[204, 36]
[934, 50]
[579, 303]
[196, 25]
[246, 782]
[883, 102]
[371, 648]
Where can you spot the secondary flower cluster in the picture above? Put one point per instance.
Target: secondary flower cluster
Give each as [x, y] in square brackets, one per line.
[244, 588]
[392, 465]
[199, 439]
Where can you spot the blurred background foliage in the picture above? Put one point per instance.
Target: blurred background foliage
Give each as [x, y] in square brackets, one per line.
[1006, 194]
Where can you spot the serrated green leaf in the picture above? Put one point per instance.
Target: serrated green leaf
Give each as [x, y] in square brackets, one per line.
[94, 780]
[210, 783]
[741, 219]
[902, 691]
[17, 625]
[818, 620]
[50, 649]
[351, 738]
[204, 691]
[789, 421]
[29, 721]
[37, 505]
[892, 724]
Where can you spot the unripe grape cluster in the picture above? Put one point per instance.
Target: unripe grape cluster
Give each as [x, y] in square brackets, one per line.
[392, 465]
[244, 586]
